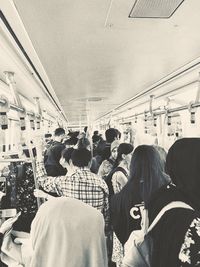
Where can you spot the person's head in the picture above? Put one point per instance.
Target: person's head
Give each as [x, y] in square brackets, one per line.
[73, 134]
[113, 149]
[71, 142]
[67, 220]
[96, 138]
[182, 165]
[59, 134]
[84, 143]
[124, 151]
[146, 171]
[81, 157]
[48, 137]
[66, 159]
[111, 134]
[95, 132]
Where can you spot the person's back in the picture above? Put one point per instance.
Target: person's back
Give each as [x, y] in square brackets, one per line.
[176, 238]
[53, 155]
[61, 237]
[87, 186]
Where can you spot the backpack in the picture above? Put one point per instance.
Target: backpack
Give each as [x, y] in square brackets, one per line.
[108, 179]
[139, 247]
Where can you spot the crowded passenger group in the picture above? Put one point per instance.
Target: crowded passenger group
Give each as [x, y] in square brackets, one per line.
[106, 203]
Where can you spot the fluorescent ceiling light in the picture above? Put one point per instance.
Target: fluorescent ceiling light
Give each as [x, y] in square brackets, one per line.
[154, 8]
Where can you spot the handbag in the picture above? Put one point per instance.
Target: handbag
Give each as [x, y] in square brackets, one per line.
[11, 252]
[139, 247]
[16, 253]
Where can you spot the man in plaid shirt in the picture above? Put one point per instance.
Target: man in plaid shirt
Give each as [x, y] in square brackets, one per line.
[82, 184]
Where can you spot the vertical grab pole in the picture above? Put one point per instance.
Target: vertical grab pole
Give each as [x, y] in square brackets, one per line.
[39, 111]
[12, 84]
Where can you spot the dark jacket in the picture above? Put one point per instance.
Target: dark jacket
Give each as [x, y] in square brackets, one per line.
[53, 155]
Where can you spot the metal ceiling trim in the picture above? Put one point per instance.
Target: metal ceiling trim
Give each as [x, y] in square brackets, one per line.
[20, 46]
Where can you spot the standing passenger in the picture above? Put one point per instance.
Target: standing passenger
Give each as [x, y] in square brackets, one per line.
[67, 232]
[107, 165]
[146, 166]
[177, 237]
[82, 184]
[53, 155]
[122, 164]
[104, 147]
[119, 179]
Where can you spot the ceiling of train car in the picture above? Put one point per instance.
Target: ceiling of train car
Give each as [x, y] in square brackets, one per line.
[96, 57]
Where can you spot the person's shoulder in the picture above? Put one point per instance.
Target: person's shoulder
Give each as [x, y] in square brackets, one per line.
[99, 181]
[105, 162]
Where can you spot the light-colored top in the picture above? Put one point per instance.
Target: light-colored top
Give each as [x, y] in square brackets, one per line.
[68, 232]
[82, 184]
[119, 180]
[105, 168]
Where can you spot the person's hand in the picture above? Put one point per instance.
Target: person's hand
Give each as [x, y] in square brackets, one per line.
[7, 225]
[38, 142]
[40, 193]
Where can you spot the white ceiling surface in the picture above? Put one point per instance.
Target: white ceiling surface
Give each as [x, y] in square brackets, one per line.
[84, 58]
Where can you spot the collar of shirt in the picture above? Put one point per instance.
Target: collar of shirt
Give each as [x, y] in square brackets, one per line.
[79, 169]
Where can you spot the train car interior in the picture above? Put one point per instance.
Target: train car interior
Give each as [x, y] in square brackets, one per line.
[132, 65]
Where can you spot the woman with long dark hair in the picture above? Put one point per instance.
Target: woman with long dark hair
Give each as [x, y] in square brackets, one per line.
[146, 176]
[176, 237]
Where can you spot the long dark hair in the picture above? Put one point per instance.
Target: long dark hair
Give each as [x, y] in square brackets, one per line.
[146, 172]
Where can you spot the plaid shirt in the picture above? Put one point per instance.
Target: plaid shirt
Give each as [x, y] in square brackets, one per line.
[83, 185]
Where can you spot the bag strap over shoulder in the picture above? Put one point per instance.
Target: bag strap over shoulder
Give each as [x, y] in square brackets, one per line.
[120, 169]
[172, 205]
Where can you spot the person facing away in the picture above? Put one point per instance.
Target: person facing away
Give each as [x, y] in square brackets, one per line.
[81, 183]
[176, 238]
[146, 176]
[53, 154]
[67, 232]
[70, 142]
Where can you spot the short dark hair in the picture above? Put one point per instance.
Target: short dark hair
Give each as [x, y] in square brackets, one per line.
[96, 138]
[73, 134]
[81, 157]
[146, 172]
[111, 134]
[67, 153]
[59, 131]
[95, 132]
[71, 141]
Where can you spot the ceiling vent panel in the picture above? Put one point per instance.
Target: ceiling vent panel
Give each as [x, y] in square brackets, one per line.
[154, 8]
